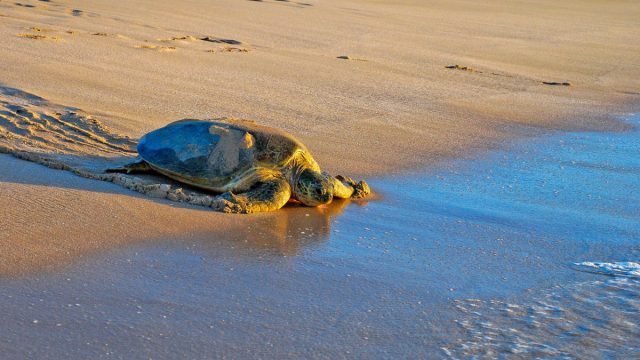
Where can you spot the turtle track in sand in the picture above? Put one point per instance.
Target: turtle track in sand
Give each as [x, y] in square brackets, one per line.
[66, 138]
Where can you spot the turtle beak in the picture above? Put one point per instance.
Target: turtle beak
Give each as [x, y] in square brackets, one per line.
[322, 196]
[326, 196]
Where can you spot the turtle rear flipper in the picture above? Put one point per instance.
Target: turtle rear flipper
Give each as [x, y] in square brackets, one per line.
[138, 166]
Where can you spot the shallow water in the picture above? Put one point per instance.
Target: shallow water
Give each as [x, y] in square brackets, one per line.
[477, 259]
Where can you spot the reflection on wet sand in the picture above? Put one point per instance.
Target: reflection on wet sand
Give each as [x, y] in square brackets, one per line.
[86, 229]
[290, 230]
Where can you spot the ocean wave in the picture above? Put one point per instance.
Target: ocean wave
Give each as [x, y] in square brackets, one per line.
[590, 320]
[623, 268]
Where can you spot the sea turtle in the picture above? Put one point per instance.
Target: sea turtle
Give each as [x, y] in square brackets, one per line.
[255, 168]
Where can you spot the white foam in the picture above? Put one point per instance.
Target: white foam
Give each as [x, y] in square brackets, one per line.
[623, 268]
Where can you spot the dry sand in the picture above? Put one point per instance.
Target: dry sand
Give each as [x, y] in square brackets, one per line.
[389, 106]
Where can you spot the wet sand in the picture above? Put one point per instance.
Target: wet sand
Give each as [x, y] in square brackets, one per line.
[438, 263]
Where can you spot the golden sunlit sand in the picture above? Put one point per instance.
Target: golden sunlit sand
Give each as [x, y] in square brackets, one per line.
[401, 109]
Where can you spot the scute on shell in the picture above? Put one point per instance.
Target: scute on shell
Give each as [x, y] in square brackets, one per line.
[204, 152]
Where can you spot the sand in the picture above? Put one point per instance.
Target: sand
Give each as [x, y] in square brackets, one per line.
[478, 259]
[371, 87]
[137, 66]
[132, 67]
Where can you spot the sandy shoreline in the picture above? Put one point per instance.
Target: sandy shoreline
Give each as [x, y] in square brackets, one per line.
[51, 219]
[399, 110]
[402, 100]
[391, 108]
[477, 259]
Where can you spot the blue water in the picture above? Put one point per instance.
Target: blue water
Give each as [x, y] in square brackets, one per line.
[583, 186]
[515, 219]
[474, 259]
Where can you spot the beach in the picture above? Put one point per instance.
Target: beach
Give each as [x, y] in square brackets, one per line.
[441, 106]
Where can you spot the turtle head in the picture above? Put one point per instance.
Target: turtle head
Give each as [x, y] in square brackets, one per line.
[313, 188]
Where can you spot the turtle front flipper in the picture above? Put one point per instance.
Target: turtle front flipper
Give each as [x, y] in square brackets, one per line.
[138, 166]
[345, 187]
[269, 195]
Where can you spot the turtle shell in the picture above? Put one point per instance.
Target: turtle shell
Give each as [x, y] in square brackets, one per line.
[211, 154]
